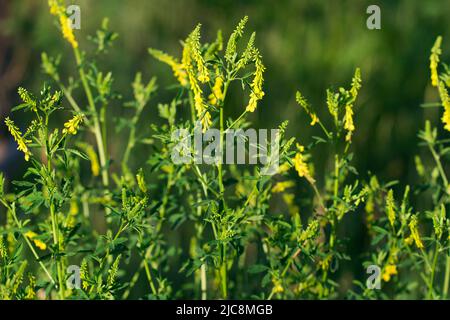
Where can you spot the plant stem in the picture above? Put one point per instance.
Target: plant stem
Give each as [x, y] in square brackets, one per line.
[447, 277]
[55, 232]
[96, 127]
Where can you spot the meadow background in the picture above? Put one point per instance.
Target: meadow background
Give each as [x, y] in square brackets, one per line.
[308, 45]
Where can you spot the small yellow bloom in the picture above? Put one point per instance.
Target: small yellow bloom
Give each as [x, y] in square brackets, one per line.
[434, 61]
[390, 207]
[216, 94]
[445, 98]
[19, 138]
[256, 86]
[67, 31]
[389, 271]
[301, 166]
[282, 186]
[57, 9]
[277, 287]
[38, 243]
[71, 126]
[415, 232]
[177, 67]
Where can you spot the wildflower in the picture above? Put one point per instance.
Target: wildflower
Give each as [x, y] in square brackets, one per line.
[310, 232]
[281, 186]
[445, 98]
[67, 31]
[84, 274]
[390, 207]
[177, 67]
[17, 135]
[389, 271]
[57, 9]
[71, 126]
[277, 287]
[30, 293]
[248, 53]
[300, 165]
[348, 117]
[325, 263]
[193, 42]
[415, 233]
[434, 61]
[189, 55]
[332, 103]
[348, 122]
[304, 104]
[199, 104]
[217, 94]
[256, 85]
[232, 42]
[26, 98]
[31, 235]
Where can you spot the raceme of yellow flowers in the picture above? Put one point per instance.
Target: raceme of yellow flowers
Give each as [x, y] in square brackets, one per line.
[57, 9]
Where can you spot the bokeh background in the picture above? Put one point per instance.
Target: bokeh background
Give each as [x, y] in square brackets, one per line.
[307, 45]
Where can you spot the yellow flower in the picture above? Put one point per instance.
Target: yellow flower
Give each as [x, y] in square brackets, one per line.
[57, 9]
[445, 98]
[71, 126]
[281, 186]
[277, 287]
[194, 42]
[389, 271]
[31, 235]
[177, 67]
[217, 94]
[348, 117]
[256, 85]
[390, 207]
[300, 165]
[67, 31]
[304, 104]
[415, 232]
[434, 61]
[348, 122]
[17, 135]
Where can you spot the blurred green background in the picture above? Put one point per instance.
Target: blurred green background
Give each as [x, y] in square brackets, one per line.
[307, 45]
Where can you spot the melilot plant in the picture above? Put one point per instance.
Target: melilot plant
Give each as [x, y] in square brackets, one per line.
[247, 234]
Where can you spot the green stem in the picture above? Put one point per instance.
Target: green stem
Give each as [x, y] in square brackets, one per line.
[55, 231]
[96, 127]
[447, 277]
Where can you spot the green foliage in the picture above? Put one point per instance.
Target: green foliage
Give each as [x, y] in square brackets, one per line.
[115, 217]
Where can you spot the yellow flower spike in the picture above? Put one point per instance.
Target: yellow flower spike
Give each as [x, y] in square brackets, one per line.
[71, 126]
[38, 243]
[434, 61]
[415, 232]
[67, 31]
[300, 164]
[177, 67]
[301, 100]
[282, 186]
[390, 207]
[193, 41]
[389, 271]
[216, 94]
[58, 9]
[348, 117]
[445, 98]
[19, 138]
[256, 85]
